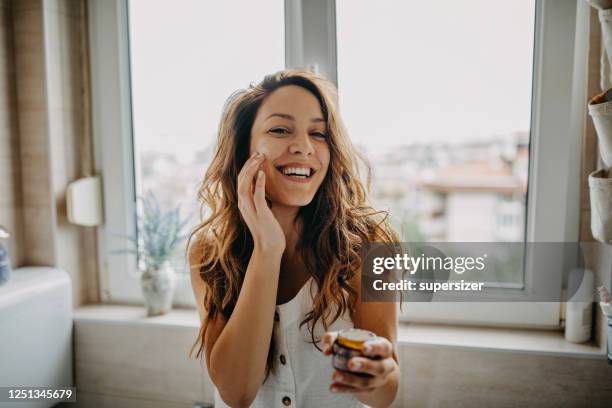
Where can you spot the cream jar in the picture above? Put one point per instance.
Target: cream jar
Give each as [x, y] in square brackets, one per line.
[349, 344]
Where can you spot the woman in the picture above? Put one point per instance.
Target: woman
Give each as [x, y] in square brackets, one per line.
[275, 263]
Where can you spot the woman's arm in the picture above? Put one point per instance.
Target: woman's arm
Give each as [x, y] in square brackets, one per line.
[381, 319]
[236, 350]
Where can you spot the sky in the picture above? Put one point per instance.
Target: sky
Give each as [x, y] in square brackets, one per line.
[408, 70]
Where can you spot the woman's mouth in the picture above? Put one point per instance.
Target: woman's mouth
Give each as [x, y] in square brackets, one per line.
[297, 174]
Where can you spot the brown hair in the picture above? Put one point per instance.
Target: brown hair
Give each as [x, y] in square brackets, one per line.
[335, 223]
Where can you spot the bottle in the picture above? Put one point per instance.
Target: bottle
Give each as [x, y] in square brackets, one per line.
[348, 344]
[579, 308]
[605, 302]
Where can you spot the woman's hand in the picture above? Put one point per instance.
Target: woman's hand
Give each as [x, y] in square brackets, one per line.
[265, 229]
[377, 361]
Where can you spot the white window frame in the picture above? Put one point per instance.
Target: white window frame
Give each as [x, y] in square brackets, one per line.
[554, 183]
[558, 114]
[114, 149]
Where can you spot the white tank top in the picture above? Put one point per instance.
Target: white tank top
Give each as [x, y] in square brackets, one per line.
[303, 374]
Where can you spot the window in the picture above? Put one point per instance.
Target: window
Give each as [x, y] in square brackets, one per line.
[183, 62]
[444, 98]
[180, 76]
[478, 89]
[448, 137]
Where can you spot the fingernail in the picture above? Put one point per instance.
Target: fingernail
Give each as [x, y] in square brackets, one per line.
[355, 365]
[334, 389]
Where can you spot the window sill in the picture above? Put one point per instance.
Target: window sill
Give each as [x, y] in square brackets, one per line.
[135, 315]
[539, 342]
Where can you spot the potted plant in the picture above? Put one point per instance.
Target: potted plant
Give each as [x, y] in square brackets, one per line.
[159, 234]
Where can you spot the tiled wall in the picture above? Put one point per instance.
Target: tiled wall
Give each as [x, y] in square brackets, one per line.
[11, 215]
[46, 137]
[67, 96]
[135, 362]
[38, 209]
[447, 377]
[120, 364]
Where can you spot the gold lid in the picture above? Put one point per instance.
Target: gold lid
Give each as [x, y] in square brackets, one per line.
[354, 338]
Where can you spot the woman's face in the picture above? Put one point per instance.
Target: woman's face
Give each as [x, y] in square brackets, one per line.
[290, 131]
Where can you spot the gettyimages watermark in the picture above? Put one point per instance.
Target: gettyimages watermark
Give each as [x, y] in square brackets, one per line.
[474, 271]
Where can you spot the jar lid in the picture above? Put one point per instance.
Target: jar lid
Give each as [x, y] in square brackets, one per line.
[354, 338]
[4, 233]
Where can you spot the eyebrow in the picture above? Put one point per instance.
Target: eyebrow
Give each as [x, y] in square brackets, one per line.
[286, 116]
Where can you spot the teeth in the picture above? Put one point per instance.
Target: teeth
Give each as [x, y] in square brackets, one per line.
[300, 171]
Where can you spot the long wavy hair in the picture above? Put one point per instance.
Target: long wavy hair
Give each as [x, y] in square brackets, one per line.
[335, 224]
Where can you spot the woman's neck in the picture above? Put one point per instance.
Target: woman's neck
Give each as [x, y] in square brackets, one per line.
[286, 217]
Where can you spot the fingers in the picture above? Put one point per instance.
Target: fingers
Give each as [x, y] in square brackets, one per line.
[346, 388]
[328, 340]
[379, 347]
[366, 373]
[245, 177]
[245, 185]
[347, 382]
[380, 368]
[259, 198]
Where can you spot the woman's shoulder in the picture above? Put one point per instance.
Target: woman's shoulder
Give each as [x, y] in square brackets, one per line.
[199, 244]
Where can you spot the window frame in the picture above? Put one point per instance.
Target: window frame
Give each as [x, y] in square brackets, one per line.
[114, 147]
[310, 41]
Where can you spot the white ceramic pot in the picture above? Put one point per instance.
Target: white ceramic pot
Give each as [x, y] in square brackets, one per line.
[158, 289]
[600, 186]
[600, 109]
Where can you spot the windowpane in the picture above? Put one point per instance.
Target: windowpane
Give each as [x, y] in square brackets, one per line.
[186, 58]
[438, 95]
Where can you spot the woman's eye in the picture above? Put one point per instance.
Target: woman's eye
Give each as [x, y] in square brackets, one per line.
[319, 135]
[279, 131]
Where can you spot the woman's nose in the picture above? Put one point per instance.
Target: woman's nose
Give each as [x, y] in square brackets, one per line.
[301, 143]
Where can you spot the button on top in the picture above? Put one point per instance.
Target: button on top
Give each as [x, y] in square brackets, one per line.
[286, 401]
[283, 360]
[276, 316]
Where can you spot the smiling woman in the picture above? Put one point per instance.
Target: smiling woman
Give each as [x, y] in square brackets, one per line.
[290, 132]
[275, 262]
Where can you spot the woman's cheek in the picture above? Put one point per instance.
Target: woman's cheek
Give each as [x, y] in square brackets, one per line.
[269, 154]
[324, 159]
[263, 147]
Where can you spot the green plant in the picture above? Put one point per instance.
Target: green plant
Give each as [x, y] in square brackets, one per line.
[159, 233]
